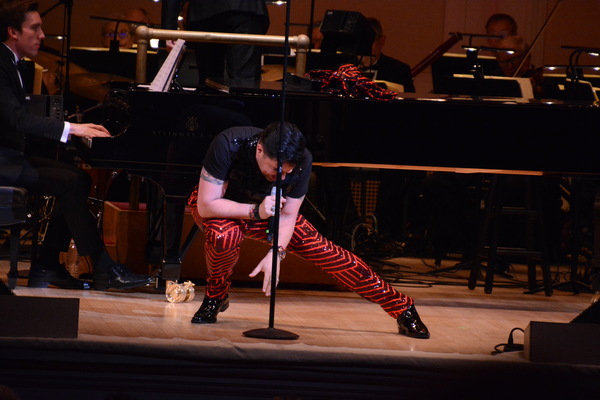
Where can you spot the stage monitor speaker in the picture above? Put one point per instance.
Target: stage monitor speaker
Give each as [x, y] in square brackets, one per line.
[590, 315]
[46, 317]
[346, 32]
[571, 343]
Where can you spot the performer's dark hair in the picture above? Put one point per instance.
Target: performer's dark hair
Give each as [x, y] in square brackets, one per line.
[12, 15]
[293, 142]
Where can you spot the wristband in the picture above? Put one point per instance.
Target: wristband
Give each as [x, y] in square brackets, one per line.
[253, 212]
[281, 253]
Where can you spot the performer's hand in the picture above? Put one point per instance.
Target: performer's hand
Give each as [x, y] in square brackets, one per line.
[265, 266]
[266, 209]
[88, 130]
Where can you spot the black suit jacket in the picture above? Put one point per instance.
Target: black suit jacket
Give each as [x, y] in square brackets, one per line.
[16, 123]
[392, 70]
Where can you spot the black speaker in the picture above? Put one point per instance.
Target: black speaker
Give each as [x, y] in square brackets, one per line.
[49, 317]
[5, 290]
[346, 32]
[572, 343]
[590, 315]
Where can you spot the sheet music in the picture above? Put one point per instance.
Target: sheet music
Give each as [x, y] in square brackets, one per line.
[163, 78]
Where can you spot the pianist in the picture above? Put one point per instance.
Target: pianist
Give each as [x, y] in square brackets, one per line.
[21, 34]
[233, 201]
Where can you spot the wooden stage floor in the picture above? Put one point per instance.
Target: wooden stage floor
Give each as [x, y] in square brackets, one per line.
[137, 343]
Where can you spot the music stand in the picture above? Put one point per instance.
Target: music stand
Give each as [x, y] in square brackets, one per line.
[576, 89]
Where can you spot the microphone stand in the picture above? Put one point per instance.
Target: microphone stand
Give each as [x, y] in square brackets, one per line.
[67, 53]
[271, 332]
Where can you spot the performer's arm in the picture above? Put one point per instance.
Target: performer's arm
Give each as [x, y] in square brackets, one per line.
[212, 204]
[287, 224]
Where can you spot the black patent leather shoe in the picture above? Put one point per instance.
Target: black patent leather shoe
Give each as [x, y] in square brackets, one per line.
[121, 277]
[207, 313]
[409, 324]
[42, 277]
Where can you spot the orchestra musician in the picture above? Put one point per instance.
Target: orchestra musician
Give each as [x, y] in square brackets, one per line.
[232, 201]
[125, 32]
[383, 67]
[21, 33]
[121, 33]
[502, 25]
[215, 60]
[518, 63]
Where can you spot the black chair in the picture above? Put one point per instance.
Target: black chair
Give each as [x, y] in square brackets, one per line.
[13, 214]
[534, 253]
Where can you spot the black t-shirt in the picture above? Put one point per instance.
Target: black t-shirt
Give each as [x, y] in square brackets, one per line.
[231, 157]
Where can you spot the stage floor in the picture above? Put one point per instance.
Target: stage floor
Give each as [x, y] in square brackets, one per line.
[136, 342]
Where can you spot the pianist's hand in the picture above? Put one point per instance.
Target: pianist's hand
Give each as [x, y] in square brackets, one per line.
[88, 130]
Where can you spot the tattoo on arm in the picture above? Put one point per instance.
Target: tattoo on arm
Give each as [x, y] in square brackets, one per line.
[209, 178]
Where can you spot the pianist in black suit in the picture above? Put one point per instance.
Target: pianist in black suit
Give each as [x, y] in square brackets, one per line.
[234, 201]
[215, 60]
[21, 35]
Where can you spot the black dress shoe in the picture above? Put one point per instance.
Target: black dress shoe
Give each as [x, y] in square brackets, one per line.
[207, 313]
[42, 277]
[120, 277]
[409, 324]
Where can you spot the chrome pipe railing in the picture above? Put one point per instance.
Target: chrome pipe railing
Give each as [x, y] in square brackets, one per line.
[143, 34]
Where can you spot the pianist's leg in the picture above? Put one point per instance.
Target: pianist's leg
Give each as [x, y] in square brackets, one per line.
[70, 218]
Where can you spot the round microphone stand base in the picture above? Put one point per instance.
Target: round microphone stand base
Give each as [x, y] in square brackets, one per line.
[271, 333]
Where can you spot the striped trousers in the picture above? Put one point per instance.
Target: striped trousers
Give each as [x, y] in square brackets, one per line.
[223, 243]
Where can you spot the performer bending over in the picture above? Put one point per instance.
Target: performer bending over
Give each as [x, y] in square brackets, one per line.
[233, 201]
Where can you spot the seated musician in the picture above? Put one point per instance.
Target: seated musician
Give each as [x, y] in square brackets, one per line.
[124, 33]
[233, 202]
[121, 33]
[383, 67]
[501, 25]
[518, 64]
[21, 34]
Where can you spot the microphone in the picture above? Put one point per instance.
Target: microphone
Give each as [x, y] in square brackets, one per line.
[271, 226]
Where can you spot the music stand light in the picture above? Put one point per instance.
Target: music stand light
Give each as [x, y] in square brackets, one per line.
[575, 88]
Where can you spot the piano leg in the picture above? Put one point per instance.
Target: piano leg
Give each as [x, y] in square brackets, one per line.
[173, 213]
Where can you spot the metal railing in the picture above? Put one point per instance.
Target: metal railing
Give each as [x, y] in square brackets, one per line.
[143, 34]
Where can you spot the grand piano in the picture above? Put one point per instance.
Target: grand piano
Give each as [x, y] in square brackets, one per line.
[166, 134]
[163, 135]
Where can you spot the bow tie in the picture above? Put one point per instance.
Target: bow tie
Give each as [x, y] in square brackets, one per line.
[21, 65]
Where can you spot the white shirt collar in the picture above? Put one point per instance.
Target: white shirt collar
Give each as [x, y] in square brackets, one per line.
[16, 58]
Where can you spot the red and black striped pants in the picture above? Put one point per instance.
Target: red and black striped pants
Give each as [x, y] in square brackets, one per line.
[222, 247]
